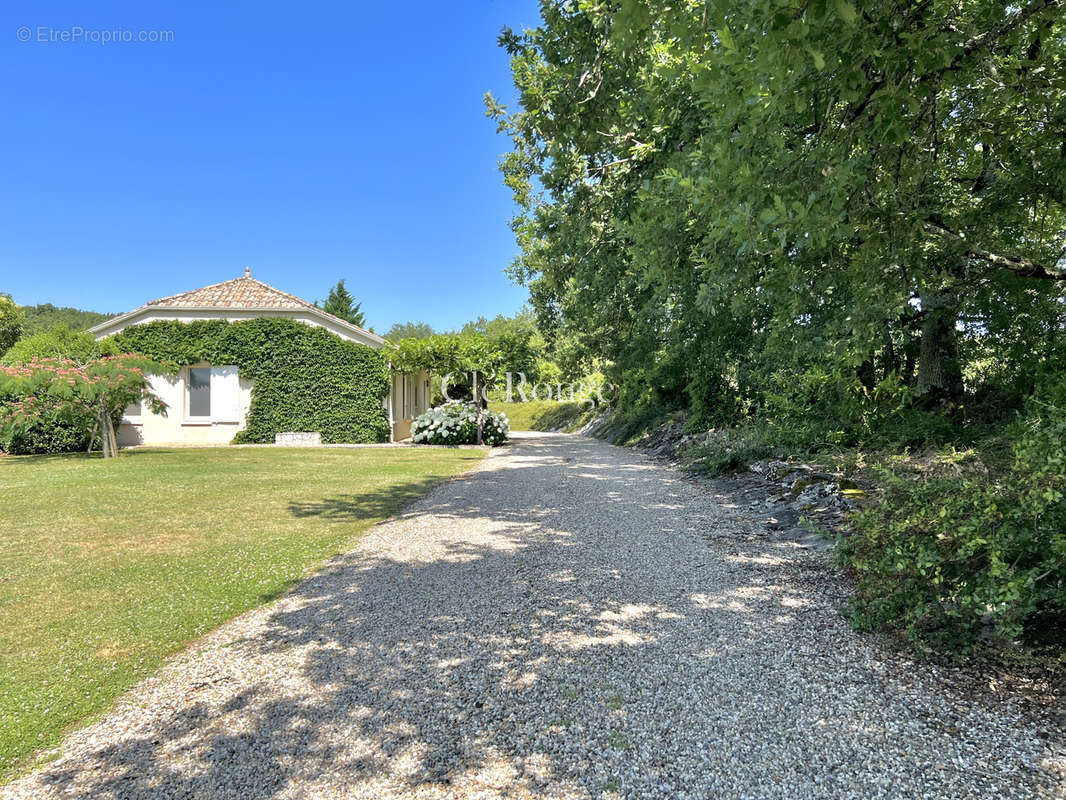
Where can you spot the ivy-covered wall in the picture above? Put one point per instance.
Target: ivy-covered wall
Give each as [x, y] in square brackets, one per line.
[305, 378]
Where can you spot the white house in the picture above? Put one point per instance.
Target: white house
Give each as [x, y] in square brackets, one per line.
[209, 403]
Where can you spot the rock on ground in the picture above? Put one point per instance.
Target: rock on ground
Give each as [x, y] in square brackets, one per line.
[571, 620]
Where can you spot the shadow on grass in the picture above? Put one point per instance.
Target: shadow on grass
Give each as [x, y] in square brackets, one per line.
[15, 460]
[364, 506]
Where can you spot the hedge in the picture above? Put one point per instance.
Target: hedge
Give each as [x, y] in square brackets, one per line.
[53, 434]
[305, 378]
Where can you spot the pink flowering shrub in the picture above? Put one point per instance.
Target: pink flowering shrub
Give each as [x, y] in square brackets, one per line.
[56, 404]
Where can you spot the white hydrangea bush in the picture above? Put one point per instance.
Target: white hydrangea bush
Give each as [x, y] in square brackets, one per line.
[456, 423]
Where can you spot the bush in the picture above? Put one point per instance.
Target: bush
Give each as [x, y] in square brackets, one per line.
[729, 449]
[456, 423]
[52, 434]
[947, 558]
[58, 342]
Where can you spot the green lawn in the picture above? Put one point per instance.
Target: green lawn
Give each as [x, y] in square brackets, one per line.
[108, 566]
[543, 415]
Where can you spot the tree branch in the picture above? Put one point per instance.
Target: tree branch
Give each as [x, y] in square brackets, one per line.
[981, 40]
[1019, 265]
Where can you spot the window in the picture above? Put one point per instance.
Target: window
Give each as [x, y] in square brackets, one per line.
[199, 392]
[133, 410]
[212, 394]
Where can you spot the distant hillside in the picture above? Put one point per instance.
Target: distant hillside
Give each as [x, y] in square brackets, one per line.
[44, 316]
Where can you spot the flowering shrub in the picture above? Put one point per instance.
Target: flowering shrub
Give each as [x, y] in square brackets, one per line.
[456, 423]
[48, 391]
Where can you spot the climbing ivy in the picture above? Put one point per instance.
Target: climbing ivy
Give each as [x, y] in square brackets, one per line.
[305, 378]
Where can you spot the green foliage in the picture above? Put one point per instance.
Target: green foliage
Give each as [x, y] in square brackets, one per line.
[793, 194]
[12, 321]
[305, 378]
[630, 423]
[457, 423]
[446, 353]
[340, 303]
[59, 341]
[815, 226]
[520, 345]
[409, 330]
[956, 550]
[493, 347]
[44, 316]
[728, 450]
[56, 430]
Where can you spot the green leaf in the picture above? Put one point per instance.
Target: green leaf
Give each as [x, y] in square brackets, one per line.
[846, 11]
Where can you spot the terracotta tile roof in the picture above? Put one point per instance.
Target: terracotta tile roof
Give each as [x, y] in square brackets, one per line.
[239, 293]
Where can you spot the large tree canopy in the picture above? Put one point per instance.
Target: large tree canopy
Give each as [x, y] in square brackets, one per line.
[720, 197]
[45, 316]
[409, 330]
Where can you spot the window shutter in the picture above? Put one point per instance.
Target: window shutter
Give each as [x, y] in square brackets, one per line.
[225, 395]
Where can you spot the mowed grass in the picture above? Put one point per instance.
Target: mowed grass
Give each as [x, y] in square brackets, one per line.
[544, 415]
[106, 567]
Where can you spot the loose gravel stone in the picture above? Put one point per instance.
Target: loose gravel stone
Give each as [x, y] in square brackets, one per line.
[570, 620]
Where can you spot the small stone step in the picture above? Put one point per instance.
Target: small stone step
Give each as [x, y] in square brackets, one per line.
[298, 438]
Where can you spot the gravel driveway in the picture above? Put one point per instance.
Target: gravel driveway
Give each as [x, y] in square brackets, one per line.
[568, 621]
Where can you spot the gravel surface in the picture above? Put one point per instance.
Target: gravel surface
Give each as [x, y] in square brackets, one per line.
[570, 620]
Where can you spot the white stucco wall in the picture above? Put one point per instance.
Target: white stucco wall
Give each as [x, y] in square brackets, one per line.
[176, 427]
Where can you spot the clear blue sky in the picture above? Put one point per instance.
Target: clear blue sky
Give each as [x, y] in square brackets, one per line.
[311, 141]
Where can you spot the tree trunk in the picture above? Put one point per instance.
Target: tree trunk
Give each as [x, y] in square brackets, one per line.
[112, 440]
[480, 413]
[889, 362]
[867, 374]
[939, 373]
[92, 437]
[108, 440]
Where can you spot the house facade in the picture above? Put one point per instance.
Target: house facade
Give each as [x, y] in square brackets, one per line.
[209, 403]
